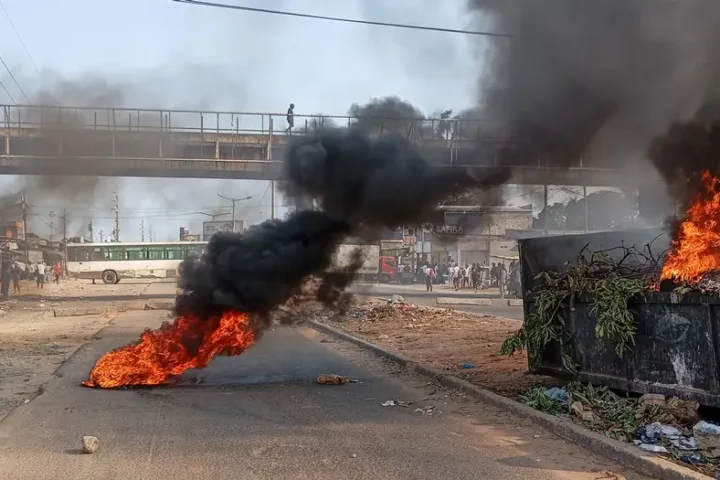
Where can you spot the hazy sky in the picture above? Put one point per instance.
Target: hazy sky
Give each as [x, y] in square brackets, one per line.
[161, 53]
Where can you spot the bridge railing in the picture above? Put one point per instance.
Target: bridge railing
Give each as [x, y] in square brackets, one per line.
[44, 117]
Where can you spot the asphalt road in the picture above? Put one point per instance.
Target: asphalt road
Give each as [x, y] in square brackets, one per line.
[261, 416]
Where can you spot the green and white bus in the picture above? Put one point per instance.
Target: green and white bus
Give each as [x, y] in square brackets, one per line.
[111, 262]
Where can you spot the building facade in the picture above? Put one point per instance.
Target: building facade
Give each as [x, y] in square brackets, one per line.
[470, 234]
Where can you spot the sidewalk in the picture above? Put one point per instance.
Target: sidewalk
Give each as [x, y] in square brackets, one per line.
[493, 292]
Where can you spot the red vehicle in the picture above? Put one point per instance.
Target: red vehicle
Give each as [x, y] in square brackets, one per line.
[388, 270]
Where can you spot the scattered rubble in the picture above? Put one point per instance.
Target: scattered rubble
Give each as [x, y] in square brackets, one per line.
[90, 444]
[707, 436]
[396, 300]
[396, 403]
[427, 410]
[670, 427]
[332, 379]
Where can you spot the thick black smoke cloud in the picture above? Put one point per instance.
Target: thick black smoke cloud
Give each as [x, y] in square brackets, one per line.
[362, 184]
[687, 150]
[372, 182]
[260, 269]
[597, 79]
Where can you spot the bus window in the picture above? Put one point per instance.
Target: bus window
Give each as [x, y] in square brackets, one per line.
[195, 250]
[135, 253]
[114, 253]
[84, 254]
[156, 253]
[80, 254]
[176, 253]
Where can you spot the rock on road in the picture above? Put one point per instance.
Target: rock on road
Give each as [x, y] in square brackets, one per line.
[262, 416]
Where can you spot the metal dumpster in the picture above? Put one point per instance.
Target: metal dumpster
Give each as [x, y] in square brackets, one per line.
[677, 345]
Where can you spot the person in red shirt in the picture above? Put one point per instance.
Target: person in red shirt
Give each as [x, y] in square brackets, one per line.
[57, 271]
[429, 276]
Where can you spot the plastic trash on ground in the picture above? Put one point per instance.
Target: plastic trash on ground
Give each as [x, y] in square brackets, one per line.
[648, 447]
[558, 394]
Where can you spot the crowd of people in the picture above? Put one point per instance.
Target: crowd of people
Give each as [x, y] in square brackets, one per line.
[12, 272]
[474, 276]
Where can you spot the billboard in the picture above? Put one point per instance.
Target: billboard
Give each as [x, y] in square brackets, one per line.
[393, 233]
[211, 228]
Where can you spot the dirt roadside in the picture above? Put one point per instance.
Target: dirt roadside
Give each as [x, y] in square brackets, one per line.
[41, 329]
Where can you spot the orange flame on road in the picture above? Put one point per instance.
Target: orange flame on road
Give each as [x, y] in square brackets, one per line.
[696, 251]
[185, 344]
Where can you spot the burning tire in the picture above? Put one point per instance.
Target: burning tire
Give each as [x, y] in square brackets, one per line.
[109, 277]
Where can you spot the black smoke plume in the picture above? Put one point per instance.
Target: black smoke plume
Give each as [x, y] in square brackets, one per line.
[596, 79]
[687, 150]
[387, 115]
[258, 270]
[361, 184]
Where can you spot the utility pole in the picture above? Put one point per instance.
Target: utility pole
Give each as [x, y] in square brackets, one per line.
[24, 219]
[52, 225]
[116, 205]
[101, 236]
[64, 224]
[64, 242]
[90, 231]
[547, 210]
[142, 230]
[234, 201]
[150, 233]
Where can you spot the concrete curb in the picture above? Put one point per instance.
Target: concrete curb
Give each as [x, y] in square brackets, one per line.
[626, 455]
[484, 302]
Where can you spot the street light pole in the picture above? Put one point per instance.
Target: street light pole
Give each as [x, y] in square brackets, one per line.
[211, 215]
[234, 201]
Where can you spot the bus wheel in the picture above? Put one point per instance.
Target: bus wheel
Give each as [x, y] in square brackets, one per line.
[384, 278]
[117, 281]
[109, 277]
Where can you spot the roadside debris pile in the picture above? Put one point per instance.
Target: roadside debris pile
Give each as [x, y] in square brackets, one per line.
[397, 311]
[671, 427]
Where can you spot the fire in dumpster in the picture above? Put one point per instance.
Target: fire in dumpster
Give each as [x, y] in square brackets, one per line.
[696, 251]
[187, 343]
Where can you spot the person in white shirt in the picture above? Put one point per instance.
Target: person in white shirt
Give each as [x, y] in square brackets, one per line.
[456, 276]
[40, 274]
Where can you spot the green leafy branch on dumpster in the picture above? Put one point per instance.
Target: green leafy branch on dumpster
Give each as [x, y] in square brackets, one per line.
[609, 284]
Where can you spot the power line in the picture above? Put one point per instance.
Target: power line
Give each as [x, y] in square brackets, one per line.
[340, 19]
[32, 212]
[7, 92]
[14, 79]
[12, 24]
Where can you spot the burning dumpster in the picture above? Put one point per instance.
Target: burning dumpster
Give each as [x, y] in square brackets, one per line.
[632, 310]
